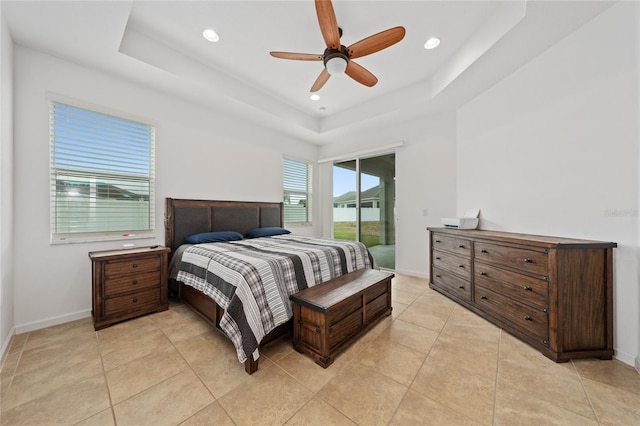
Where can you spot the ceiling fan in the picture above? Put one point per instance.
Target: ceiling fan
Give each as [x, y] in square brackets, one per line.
[338, 58]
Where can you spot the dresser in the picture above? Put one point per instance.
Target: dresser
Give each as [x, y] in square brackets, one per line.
[555, 294]
[128, 283]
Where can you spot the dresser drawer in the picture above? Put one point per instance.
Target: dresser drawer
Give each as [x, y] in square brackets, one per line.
[115, 268]
[523, 288]
[132, 302]
[457, 245]
[451, 283]
[533, 321]
[452, 263]
[133, 282]
[527, 260]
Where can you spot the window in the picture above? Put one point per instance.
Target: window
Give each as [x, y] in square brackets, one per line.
[297, 191]
[102, 175]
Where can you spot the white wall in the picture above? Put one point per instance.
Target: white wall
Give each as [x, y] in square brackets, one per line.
[425, 180]
[553, 149]
[200, 153]
[6, 187]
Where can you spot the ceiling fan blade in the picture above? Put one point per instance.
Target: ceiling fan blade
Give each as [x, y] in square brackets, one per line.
[376, 42]
[321, 80]
[297, 56]
[328, 23]
[360, 74]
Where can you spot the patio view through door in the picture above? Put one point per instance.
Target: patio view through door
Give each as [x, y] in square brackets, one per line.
[364, 194]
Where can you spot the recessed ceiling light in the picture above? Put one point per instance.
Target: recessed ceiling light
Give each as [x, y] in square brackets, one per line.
[315, 97]
[322, 108]
[210, 35]
[432, 43]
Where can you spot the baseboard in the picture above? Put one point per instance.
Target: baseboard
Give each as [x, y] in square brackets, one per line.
[5, 344]
[638, 364]
[412, 273]
[48, 322]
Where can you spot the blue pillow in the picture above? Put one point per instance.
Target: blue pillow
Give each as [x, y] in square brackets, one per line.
[267, 232]
[213, 237]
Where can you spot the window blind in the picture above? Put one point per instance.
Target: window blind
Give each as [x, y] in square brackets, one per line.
[102, 173]
[297, 180]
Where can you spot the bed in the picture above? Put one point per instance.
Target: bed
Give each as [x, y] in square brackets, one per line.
[243, 286]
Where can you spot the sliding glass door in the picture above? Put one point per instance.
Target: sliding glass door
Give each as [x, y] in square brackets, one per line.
[364, 205]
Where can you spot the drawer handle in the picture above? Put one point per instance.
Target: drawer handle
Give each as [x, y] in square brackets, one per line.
[135, 265]
[135, 282]
[461, 246]
[528, 260]
[461, 287]
[460, 266]
[135, 299]
[484, 251]
[483, 297]
[438, 258]
[438, 276]
[437, 241]
[527, 288]
[528, 318]
[484, 274]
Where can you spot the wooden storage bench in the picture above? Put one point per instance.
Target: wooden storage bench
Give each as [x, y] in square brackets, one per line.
[330, 316]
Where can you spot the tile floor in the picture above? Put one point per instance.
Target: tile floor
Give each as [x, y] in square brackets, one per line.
[431, 362]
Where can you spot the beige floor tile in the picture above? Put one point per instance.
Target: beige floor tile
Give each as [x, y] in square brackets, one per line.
[302, 368]
[462, 316]
[130, 347]
[175, 315]
[82, 348]
[142, 373]
[271, 396]
[610, 372]
[318, 413]
[167, 403]
[38, 383]
[10, 362]
[456, 388]
[206, 345]
[193, 328]
[417, 409]
[66, 332]
[524, 409]
[364, 395]
[435, 301]
[404, 296]
[411, 335]
[517, 352]
[396, 361]
[17, 342]
[213, 414]
[141, 325]
[67, 405]
[278, 349]
[424, 318]
[397, 308]
[613, 406]
[563, 390]
[103, 418]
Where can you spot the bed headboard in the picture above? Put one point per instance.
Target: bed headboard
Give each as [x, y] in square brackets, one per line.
[188, 217]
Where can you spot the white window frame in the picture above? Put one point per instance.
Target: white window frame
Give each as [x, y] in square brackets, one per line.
[289, 192]
[87, 176]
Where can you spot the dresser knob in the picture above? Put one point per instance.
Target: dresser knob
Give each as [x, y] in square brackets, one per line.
[461, 287]
[438, 276]
[135, 300]
[484, 251]
[528, 318]
[527, 260]
[527, 288]
[483, 297]
[135, 265]
[484, 274]
[461, 246]
[135, 282]
[460, 266]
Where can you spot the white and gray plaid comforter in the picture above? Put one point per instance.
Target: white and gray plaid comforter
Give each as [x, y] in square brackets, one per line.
[252, 279]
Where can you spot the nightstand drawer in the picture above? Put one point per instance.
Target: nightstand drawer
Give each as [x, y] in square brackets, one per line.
[116, 268]
[131, 282]
[133, 302]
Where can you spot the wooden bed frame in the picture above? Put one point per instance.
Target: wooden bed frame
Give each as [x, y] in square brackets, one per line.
[188, 217]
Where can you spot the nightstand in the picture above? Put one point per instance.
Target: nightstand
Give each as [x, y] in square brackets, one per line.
[128, 283]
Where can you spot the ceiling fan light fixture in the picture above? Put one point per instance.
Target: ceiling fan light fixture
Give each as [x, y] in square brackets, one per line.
[336, 65]
[210, 35]
[432, 43]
